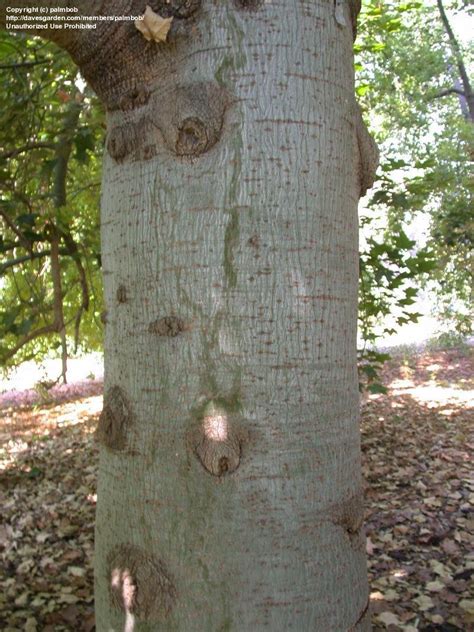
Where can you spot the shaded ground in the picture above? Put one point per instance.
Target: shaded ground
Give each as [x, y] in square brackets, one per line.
[419, 496]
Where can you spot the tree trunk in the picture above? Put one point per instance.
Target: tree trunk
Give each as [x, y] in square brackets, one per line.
[230, 493]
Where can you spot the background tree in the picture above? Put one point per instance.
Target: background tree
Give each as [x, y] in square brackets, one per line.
[414, 82]
[425, 172]
[51, 137]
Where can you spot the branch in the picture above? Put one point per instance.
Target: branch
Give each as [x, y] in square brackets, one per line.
[445, 93]
[11, 263]
[74, 252]
[47, 329]
[23, 240]
[20, 150]
[456, 49]
[14, 262]
[23, 64]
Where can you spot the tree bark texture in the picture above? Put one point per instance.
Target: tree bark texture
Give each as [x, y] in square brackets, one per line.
[230, 494]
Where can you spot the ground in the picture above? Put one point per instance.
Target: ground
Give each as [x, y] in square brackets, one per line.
[419, 498]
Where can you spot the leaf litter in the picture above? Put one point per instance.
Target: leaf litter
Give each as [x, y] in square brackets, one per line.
[417, 447]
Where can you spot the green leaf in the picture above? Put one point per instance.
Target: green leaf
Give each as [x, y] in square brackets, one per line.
[376, 387]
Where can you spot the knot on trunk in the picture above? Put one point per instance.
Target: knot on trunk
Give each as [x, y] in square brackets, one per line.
[192, 122]
[249, 5]
[115, 420]
[121, 294]
[170, 326]
[139, 583]
[135, 98]
[192, 138]
[217, 441]
[123, 140]
[133, 139]
[349, 515]
[175, 8]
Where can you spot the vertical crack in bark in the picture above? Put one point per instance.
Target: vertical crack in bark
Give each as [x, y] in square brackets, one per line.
[362, 617]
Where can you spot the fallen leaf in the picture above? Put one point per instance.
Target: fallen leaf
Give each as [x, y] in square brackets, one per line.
[388, 618]
[467, 605]
[424, 602]
[153, 26]
[30, 625]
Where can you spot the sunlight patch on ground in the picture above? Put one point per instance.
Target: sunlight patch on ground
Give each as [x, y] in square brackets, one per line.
[29, 373]
[432, 394]
[33, 422]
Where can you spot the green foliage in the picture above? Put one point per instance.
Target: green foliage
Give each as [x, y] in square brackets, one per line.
[51, 138]
[426, 154]
[50, 125]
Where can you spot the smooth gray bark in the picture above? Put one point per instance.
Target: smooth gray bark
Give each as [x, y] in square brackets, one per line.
[230, 493]
[247, 254]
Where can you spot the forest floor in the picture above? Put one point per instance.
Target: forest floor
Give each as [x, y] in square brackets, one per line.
[419, 498]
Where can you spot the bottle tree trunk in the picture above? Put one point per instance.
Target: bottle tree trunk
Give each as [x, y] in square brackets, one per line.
[230, 493]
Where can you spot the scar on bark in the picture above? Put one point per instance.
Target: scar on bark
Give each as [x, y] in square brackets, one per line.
[132, 138]
[249, 5]
[349, 515]
[192, 138]
[368, 154]
[139, 583]
[217, 439]
[121, 294]
[254, 241]
[115, 420]
[137, 97]
[193, 119]
[170, 326]
[179, 9]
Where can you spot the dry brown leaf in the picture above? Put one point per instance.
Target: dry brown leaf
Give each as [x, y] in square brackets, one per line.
[388, 618]
[467, 605]
[153, 27]
[424, 602]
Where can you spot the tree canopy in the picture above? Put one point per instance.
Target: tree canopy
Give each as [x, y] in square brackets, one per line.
[412, 80]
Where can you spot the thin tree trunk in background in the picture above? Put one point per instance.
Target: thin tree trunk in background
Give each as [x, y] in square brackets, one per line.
[58, 312]
[467, 92]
